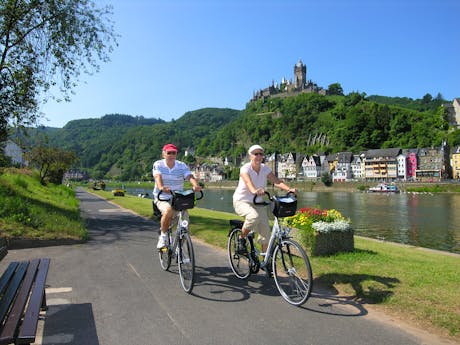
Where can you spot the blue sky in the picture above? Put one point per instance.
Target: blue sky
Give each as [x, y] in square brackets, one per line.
[176, 56]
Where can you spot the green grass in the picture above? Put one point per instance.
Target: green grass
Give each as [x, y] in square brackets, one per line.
[31, 210]
[415, 284]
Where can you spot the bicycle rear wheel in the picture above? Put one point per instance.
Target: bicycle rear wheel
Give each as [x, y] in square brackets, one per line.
[165, 255]
[238, 262]
[186, 262]
[292, 272]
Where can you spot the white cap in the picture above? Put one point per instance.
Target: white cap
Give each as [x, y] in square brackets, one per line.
[254, 147]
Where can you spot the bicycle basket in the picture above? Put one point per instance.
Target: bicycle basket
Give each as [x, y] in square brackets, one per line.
[183, 200]
[285, 206]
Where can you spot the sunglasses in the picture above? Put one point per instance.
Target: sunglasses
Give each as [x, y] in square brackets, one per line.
[171, 153]
[258, 154]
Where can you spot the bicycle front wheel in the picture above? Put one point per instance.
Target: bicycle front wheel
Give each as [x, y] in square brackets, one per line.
[238, 262]
[292, 272]
[186, 262]
[165, 255]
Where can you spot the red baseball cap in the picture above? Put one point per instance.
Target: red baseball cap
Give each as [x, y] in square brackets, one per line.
[170, 147]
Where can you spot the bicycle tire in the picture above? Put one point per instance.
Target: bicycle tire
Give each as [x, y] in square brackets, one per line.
[239, 263]
[186, 261]
[292, 272]
[164, 255]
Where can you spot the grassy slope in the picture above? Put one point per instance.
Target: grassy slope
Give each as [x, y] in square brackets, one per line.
[418, 285]
[31, 210]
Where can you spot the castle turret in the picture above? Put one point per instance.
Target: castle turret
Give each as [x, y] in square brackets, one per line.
[300, 75]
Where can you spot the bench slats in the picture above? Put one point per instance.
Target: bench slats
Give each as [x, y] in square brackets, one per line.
[6, 276]
[37, 301]
[9, 329]
[8, 297]
[22, 295]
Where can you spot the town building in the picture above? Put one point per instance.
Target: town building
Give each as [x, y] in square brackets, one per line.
[75, 175]
[455, 162]
[381, 164]
[357, 167]
[433, 164]
[311, 167]
[286, 166]
[15, 153]
[343, 169]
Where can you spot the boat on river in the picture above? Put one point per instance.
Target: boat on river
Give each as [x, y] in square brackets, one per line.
[384, 188]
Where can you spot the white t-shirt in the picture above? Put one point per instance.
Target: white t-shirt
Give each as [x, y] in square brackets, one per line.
[259, 180]
[172, 178]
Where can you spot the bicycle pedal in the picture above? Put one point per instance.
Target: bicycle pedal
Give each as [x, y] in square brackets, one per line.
[164, 249]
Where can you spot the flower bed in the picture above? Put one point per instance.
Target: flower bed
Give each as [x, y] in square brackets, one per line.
[321, 231]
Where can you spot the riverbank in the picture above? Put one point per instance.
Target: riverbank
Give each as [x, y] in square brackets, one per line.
[444, 187]
[318, 186]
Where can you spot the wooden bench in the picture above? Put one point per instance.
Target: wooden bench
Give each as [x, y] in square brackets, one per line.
[22, 296]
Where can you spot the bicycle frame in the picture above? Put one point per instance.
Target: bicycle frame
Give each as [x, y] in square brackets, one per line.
[182, 227]
[275, 236]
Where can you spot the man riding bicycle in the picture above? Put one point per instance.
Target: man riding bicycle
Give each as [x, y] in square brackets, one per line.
[169, 175]
[253, 180]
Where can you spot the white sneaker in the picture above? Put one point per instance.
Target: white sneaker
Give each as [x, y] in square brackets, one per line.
[161, 241]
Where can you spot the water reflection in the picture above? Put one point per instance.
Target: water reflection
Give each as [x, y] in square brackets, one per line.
[424, 220]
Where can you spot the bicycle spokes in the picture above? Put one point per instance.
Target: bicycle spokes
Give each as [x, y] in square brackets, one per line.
[186, 261]
[292, 272]
[239, 263]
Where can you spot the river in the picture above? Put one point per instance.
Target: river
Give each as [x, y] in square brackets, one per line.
[425, 220]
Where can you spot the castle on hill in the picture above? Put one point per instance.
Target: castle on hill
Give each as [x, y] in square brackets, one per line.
[300, 84]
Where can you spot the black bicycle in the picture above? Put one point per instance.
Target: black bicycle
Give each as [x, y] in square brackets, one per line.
[180, 246]
[285, 259]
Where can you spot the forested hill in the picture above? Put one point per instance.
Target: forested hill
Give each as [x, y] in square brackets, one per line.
[309, 123]
[124, 147]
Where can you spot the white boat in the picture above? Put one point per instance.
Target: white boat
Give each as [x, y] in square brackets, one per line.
[384, 188]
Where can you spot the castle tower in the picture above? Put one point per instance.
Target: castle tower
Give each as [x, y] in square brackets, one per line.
[300, 75]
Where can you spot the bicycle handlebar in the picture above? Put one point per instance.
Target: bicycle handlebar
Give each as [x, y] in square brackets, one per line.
[265, 203]
[174, 191]
[201, 195]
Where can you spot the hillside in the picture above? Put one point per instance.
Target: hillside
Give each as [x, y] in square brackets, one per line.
[124, 147]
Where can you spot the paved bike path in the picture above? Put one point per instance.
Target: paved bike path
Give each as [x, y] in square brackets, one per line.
[111, 290]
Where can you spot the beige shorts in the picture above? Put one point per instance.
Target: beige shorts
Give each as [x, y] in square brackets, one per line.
[163, 206]
[255, 218]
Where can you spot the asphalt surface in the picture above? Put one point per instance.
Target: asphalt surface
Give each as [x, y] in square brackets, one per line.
[112, 291]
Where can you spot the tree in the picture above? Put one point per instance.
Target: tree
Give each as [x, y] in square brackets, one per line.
[51, 162]
[326, 179]
[335, 89]
[427, 98]
[44, 45]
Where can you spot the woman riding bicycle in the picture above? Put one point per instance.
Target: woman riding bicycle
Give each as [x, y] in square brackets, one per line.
[169, 175]
[253, 180]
